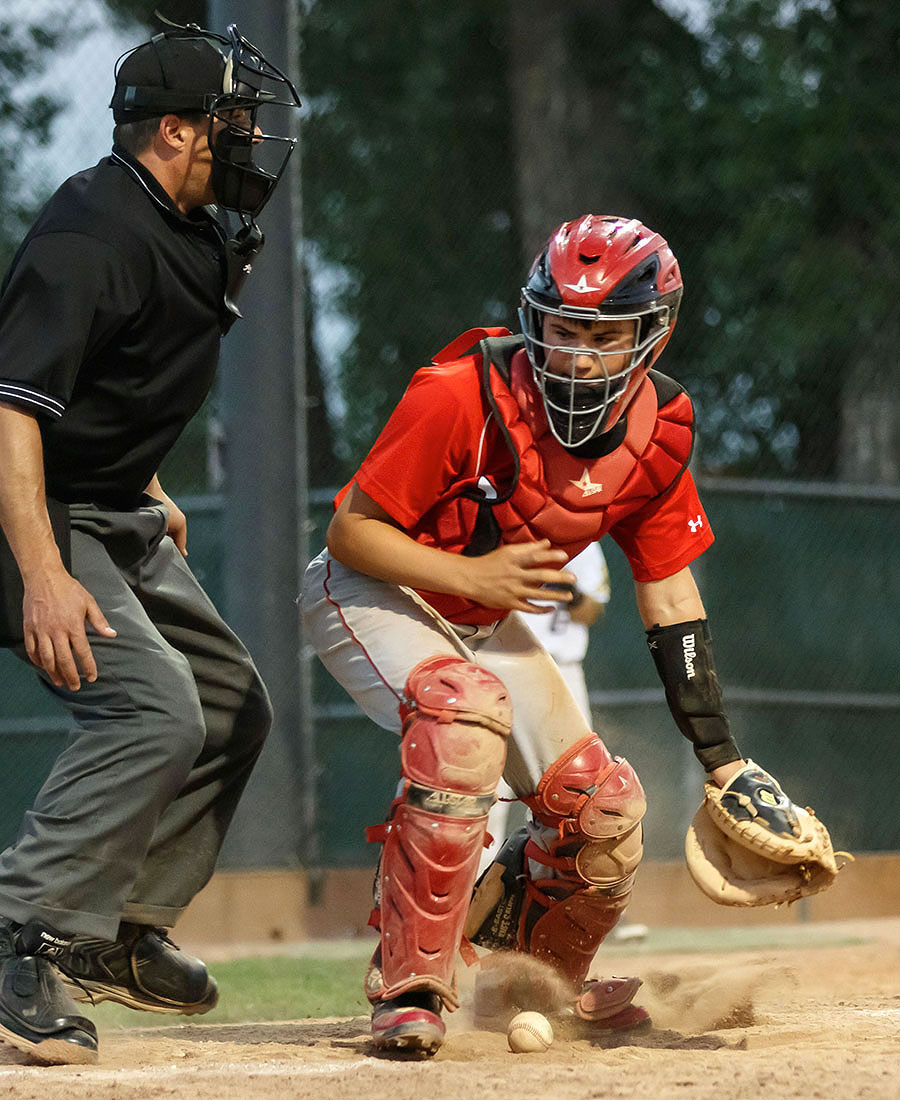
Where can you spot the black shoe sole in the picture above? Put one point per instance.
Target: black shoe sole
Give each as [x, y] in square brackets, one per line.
[52, 1051]
[94, 992]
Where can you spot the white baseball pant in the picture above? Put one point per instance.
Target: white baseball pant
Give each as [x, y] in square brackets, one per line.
[370, 634]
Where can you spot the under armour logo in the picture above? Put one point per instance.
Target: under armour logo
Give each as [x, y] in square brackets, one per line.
[695, 524]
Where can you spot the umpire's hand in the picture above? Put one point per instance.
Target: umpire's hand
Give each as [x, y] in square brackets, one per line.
[54, 611]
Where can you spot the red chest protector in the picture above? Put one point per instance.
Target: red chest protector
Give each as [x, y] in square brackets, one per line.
[555, 495]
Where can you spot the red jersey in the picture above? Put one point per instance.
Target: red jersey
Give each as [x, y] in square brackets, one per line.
[442, 447]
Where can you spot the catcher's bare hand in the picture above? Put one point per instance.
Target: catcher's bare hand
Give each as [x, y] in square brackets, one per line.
[55, 610]
[513, 576]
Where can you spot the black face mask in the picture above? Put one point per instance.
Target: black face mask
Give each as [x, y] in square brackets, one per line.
[238, 183]
[577, 410]
[246, 162]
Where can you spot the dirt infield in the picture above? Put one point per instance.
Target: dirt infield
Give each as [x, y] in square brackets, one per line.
[798, 1022]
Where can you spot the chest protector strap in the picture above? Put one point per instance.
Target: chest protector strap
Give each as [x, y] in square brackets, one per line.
[496, 346]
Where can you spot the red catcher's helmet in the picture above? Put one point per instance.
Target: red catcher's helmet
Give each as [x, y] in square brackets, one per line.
[599, 268]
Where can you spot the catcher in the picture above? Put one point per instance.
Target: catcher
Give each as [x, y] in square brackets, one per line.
[503, 460]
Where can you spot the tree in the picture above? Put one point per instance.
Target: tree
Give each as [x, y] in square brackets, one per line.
[568, 65]
[774, 151]
[24, 119]
[444, 145]
[408, 185]
[861, 92]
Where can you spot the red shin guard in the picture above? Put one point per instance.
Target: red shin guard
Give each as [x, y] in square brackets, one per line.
[565, 922]
[591, 805]
[456, 721]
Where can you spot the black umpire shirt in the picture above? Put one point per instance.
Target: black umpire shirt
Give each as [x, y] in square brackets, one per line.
[110, 320]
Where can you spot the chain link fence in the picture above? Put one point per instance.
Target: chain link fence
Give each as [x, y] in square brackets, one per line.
[803, 583]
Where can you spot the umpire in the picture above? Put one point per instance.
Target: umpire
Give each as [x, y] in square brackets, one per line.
[110, 322]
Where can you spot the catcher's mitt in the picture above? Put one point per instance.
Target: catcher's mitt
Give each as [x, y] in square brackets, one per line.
[750, 845]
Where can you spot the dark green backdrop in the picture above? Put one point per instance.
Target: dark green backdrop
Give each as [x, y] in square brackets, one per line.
[802, 593]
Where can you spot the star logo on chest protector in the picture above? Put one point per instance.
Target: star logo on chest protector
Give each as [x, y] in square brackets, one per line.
[587, 487]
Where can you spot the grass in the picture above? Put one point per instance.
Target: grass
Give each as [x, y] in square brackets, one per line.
[316, 980]
[282, 988]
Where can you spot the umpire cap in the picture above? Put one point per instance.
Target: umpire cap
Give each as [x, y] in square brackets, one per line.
[170, 73]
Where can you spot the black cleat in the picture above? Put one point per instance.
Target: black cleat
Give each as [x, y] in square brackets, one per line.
[142, 969]
[36, 1014]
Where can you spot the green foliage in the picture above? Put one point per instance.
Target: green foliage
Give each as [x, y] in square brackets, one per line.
[408, 185]
[774, 148]
[25, 119]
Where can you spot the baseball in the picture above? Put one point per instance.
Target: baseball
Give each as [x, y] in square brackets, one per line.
[529, 1033]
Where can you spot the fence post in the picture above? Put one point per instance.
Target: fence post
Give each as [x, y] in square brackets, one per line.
[263, 387]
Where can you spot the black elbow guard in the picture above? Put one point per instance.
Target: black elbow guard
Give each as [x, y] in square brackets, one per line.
[684, 660]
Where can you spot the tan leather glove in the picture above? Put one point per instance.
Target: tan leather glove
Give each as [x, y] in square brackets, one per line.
[750, 845]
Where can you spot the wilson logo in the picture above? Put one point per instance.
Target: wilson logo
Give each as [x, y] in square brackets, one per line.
[690, 655]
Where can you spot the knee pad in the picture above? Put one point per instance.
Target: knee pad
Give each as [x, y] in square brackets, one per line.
[456, 719]
[590, 794]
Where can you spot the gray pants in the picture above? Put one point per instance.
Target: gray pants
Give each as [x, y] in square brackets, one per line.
[130, 821]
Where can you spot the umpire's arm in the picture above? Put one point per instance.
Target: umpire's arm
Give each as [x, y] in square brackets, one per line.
[55, 605]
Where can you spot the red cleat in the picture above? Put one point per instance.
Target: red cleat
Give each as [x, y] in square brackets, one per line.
[606, 1003]
[410, 1023]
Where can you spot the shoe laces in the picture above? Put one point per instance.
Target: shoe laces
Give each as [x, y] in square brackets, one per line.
[143, 930]
[75, 980]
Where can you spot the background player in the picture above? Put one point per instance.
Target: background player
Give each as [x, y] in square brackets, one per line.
[110, 322]
[502, 461]
[564, 632]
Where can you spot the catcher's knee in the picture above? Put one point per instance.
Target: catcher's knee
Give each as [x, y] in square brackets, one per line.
[456, 721]
[594, 802]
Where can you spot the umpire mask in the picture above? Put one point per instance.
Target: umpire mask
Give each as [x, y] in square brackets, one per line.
[189, 69]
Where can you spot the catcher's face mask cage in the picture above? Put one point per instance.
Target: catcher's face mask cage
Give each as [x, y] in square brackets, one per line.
[578, 409]
[593, 270]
